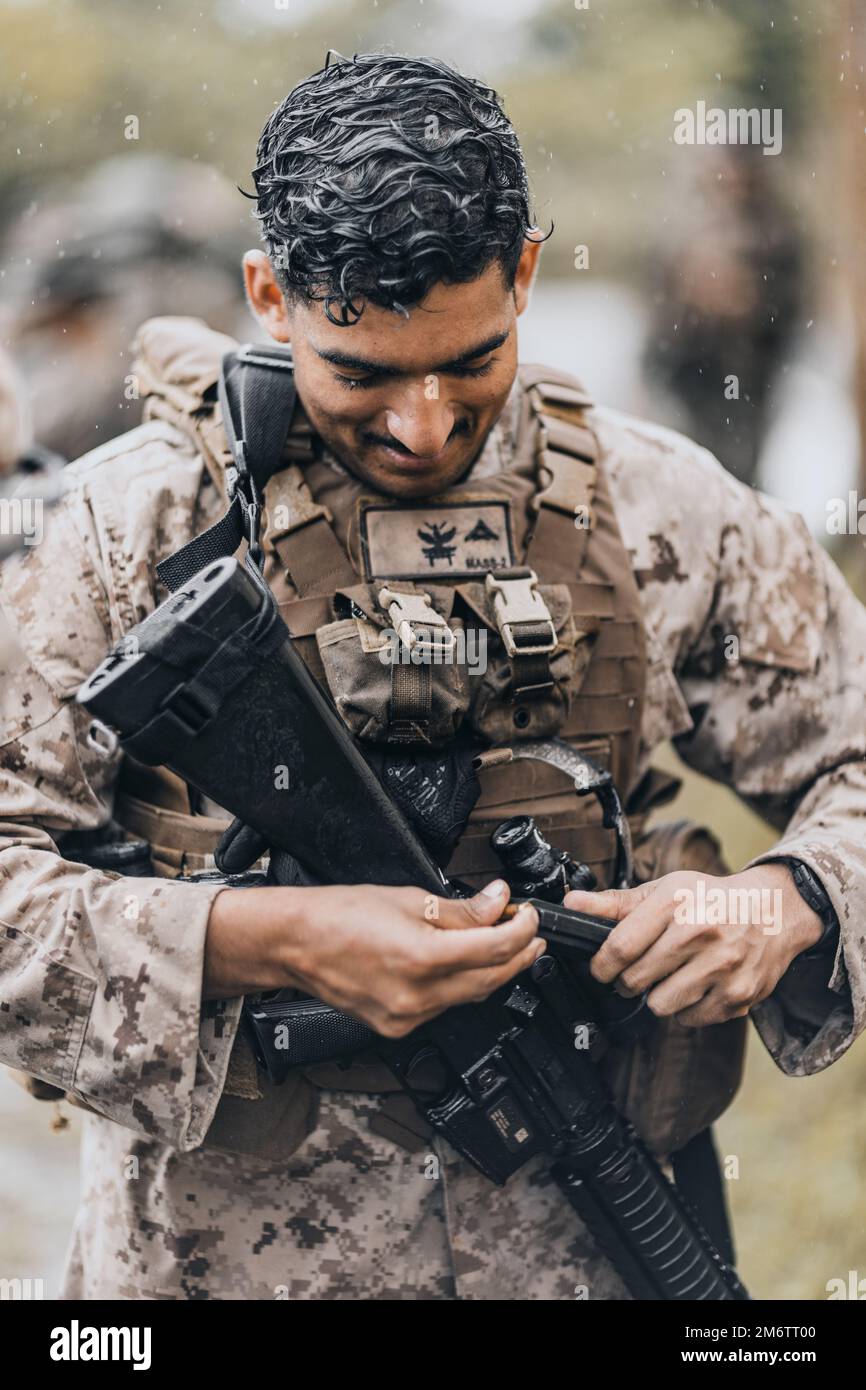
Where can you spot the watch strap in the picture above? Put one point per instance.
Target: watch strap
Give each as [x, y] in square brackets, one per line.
[813, 892]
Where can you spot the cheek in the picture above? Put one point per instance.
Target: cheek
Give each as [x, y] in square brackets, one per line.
[490, 394]
[343, 411]
[479, 397]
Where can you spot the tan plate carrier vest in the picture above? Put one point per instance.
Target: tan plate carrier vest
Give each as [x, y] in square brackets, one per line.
[671, 1085]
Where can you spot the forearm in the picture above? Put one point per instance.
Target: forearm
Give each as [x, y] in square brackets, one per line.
[255, 941]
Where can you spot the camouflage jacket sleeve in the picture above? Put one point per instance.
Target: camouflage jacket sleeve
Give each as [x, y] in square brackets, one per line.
[768, 645]
[779, 715]
[758, 672]
[100, 976]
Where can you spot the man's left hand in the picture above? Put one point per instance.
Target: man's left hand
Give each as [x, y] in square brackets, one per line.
[707, 948]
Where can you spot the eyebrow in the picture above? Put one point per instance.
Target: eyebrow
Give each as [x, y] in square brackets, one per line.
[363, 364]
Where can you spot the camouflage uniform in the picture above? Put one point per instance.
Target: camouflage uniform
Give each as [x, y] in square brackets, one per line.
[102, 976]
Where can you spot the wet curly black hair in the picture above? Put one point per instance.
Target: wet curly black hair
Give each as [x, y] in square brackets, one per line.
[380, 176]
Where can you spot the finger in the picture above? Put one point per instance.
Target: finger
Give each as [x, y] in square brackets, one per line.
[470, 986]
[680, 991]
[613, 902]
[666, 955]
[713, 1008]
[476, 947]
[482, 910]
[633, 935]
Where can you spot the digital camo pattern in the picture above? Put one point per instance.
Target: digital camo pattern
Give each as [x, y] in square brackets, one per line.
[101, 991]
[349, 1215]
[777, 712]
[101, 975]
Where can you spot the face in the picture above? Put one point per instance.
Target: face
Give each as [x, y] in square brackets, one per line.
[405, 403]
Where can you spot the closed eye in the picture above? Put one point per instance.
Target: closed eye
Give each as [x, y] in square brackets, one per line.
[474, 371]
[353, 383]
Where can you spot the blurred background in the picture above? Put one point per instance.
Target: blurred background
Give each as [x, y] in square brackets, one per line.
[125, 132]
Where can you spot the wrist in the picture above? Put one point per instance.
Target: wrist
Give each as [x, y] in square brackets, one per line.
[254, 942]
[811, 889]
[801, 925]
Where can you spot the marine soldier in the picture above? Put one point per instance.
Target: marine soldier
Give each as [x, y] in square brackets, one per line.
[667, 601]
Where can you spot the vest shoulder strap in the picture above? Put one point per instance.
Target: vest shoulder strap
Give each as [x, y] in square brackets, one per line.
[567, 455]
[299, 531]
[257, 396]
[558, 384]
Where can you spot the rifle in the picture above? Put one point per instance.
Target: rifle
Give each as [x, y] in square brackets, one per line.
[210, 684]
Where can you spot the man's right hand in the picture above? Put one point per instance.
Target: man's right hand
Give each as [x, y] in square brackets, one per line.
[392, 957]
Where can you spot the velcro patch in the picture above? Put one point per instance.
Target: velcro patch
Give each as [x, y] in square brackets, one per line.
[457, 540]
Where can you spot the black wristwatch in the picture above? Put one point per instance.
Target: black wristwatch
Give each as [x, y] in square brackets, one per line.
[813, 892]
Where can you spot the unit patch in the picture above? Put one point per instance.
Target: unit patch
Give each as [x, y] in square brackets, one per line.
[458, 540]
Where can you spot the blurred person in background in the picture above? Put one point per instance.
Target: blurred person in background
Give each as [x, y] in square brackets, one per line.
[727, 301]
[16, 431]
[140, 235]
[30, 480]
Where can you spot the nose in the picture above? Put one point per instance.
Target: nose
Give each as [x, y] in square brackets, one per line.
[420, 424]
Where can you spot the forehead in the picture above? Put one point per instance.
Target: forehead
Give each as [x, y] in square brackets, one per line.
[449, 320]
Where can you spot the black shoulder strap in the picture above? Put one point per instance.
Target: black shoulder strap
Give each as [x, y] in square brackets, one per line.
[257, 398]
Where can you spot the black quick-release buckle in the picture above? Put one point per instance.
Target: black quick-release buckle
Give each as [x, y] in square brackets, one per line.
[241, 488]
[256, 421]
[241, 484]
[238, 476]
[253, 511]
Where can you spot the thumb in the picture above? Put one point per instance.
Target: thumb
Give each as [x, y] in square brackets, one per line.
[482, 910]
[615, 903]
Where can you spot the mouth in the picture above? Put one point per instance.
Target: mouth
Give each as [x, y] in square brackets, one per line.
[406, 462]
[410, 463]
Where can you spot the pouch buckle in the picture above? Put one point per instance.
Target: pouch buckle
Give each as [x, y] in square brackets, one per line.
[410, 611]
[516, 604]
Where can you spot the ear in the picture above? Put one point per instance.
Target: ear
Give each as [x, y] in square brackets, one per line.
[527, 267]
[265, 297]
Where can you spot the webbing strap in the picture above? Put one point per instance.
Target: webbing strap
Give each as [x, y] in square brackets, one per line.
[411, 702]
[216, 543]
[555, 548]
[567, 457]
[314, 560]
[257, 397]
